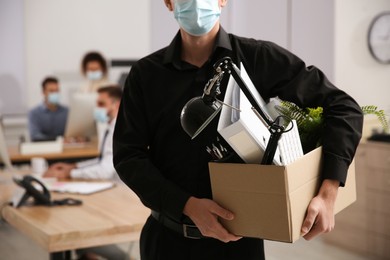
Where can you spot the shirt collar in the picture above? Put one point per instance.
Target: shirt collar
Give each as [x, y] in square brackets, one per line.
[172, 54]
[112, 123]
[45, 108]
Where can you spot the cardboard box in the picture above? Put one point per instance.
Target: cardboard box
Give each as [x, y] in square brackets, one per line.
[270, 201]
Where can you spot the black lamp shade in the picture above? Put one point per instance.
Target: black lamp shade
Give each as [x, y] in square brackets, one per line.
[197, 114]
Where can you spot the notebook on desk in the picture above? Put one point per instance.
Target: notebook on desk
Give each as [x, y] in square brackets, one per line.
[82, 187]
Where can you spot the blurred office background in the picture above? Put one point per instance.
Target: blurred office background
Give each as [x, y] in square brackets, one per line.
[43, 37]
[49, 37]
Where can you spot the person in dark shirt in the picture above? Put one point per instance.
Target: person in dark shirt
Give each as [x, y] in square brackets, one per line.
[169, 172]
[47, 120]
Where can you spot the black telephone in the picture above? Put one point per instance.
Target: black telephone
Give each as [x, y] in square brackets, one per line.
[41, 197]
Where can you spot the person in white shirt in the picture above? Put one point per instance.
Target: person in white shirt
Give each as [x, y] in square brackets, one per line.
[102, 167]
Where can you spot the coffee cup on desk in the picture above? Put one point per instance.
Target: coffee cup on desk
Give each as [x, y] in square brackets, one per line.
[38, 165]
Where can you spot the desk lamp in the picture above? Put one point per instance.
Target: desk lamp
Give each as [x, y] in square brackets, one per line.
[200, 111]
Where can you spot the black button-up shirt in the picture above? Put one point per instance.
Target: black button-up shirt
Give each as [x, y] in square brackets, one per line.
[158, 160]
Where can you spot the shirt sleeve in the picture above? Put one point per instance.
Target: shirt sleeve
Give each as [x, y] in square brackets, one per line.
[283, 74]
[131, 154]
[103, 169]
[87, 163]
[97, 168]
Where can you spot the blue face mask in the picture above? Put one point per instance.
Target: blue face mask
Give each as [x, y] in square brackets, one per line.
[53, 98]
[100, 115]
[95, 75]
[197, 17]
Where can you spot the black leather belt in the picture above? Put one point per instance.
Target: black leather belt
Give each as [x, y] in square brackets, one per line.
[187, 230]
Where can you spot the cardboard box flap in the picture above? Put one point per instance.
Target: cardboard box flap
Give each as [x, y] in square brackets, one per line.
[299, 200]
[253, 178]
[305, 169]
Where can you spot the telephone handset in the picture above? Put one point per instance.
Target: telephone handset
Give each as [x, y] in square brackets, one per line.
[41, 196]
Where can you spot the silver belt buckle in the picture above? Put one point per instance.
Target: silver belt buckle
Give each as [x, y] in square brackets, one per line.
[185, 226]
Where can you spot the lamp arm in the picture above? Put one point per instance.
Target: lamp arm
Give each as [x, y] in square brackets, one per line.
[226, 64]
[248, 94]
[269, 153]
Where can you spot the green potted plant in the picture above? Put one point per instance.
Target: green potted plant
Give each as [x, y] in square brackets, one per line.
[310, 122]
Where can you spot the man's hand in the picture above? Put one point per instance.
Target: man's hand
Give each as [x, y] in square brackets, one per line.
[59, 170]
[204, 213]
[320, 216]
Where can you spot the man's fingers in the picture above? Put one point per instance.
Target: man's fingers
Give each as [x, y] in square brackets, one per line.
[215, 229]
[314, 231]
[205, 213]
[309, 220]
[219, 232]
[56, 166]
[316, 221]
[319, 228]
[221, 212]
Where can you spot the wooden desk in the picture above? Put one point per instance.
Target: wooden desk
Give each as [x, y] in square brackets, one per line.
[364, 226]
[88, 151]
[112, 216]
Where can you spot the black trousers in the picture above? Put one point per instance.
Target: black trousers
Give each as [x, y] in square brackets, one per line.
[160, 243]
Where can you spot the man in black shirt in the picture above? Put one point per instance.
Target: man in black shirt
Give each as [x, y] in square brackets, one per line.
[169, 171]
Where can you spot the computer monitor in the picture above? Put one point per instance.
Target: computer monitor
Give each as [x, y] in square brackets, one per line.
[80, 122]
[120, 69]
[4, 156]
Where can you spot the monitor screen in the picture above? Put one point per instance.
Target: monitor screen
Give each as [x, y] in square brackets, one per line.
[80, 122]
[4, 156]
[120, 69]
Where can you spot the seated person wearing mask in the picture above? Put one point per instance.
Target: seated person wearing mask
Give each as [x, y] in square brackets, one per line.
[94, 69]
[47, 120]
[108, 101]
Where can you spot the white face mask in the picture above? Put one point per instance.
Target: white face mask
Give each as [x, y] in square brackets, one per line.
[53, 98]
[95, 75]
[101, 114]
[197, 17]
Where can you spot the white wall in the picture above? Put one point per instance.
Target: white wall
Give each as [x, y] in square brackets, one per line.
[356, 71]
[60, 32]
[260, 19]
[163, 25]
[312, 33]
[12, 61]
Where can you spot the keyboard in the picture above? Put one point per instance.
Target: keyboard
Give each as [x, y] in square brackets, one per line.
[290, 146]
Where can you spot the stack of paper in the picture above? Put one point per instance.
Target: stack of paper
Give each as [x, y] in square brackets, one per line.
[80, 187]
